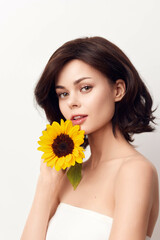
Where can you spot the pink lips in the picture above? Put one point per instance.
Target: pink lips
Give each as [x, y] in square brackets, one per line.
[79, 120]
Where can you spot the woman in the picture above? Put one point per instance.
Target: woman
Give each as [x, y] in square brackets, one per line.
[92, 82]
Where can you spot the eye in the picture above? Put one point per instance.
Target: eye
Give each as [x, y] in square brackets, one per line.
[62, 95]
[86, 88]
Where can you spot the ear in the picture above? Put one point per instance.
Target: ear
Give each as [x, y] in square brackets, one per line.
[120, 89]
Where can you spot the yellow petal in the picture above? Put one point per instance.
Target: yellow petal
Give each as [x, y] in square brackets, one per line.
[68, 126]
[47, 155]
[48, 126]
[52, 134]
[60, 161]
[72, 162]
[82, 132]
[44, 132]
[81, 149]
[78, 141]
[49, 159]
[79, 160]
[55, 159]
[81, 135]
[64, 166]
[43, 140]
[45, 143]
[76, 152]
[62, 121]
[73, 130]
[57, 128]
[67, 165]
[44, 148]
[78, 135]
[82, 154]
[57, 167]
[45, 135]
[50, 163]
[68, 158]
[62, 126]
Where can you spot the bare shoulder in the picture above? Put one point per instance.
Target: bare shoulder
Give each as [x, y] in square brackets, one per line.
[139, 177]
[139, 169]
[135, 198]
[139, 165]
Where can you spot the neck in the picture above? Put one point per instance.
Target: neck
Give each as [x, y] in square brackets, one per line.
[105, 146]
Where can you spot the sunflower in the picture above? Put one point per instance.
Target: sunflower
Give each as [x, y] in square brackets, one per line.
[61, 145]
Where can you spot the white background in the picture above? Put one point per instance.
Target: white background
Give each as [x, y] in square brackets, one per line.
[30, 31]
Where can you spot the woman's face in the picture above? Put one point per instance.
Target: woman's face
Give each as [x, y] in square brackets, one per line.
[84, 91]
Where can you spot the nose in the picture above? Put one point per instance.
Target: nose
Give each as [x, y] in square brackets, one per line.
[74, 101]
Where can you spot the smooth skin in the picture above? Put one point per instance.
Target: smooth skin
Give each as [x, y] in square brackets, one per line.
[44, 204]
[116, 180]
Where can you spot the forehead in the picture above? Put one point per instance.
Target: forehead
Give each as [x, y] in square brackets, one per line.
[77, 69]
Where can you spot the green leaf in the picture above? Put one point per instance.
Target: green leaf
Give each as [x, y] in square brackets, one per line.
[74, 174]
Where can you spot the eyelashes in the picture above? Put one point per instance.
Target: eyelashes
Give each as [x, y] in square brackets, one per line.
[86, 88]
[60, 95]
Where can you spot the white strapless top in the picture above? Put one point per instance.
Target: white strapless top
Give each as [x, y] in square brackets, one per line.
[70, 223]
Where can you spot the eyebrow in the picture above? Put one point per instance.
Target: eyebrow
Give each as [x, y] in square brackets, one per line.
[74, 83]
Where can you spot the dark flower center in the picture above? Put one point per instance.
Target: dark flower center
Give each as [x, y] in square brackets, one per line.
[63, 145]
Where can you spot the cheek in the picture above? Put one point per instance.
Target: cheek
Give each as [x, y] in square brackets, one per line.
[63, 110]
[105, 107]
[101, 111]
[104, 103]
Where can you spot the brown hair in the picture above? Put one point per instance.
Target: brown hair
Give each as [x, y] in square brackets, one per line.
[133, 114]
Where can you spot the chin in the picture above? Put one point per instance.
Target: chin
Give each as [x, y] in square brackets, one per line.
[83, 128]
[86, 131]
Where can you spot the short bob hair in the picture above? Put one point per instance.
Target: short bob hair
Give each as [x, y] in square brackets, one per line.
[133, 114]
